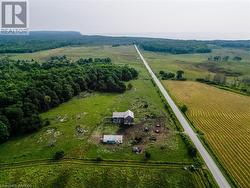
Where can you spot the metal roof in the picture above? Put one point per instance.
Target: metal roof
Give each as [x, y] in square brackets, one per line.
[123, 114]
[112, 138]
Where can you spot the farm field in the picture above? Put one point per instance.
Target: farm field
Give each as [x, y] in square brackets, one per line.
[77, 175]
[224, 120]
[194, 65]
[90, 112]
[93, 109]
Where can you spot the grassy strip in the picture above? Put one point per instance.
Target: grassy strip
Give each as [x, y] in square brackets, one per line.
[168, 109]
[144, 164]
[231, 89]
[207, 177]
[226, 88]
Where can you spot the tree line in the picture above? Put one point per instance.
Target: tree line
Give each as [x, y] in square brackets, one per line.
[240, 84]
[48, 40]
[41, 40]
[171, 76]
[223, 58]
[29, 88]
[176, 46]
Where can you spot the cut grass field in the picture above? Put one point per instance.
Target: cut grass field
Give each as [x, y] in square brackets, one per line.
[81, 175]
[90, 111]
[224, 119]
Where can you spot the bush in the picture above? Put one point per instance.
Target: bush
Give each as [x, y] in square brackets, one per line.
[59, 155]
[191, 148]
[46, 122]
[147, 155]
[166, 76]
[130, 86]
[99, 158]
[198, 164]
[184, 108]
[4, 132]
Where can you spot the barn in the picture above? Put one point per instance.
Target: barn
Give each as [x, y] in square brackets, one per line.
[125, 118]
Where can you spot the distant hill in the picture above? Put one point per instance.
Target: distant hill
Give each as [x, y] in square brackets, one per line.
[43, 40]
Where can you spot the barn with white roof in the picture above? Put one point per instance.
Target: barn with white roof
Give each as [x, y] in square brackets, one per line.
[125, 118]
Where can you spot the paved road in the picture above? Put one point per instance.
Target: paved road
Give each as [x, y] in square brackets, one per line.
[218, 176]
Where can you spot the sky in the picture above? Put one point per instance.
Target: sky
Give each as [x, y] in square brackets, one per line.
[183, 19]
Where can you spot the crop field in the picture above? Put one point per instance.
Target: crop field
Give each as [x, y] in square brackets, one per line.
[224, 120]
[91, 112]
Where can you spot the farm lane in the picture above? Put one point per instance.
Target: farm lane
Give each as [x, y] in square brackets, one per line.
[217, 174]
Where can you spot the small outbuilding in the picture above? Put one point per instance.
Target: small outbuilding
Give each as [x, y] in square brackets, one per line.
[125, 118]
[112, 139]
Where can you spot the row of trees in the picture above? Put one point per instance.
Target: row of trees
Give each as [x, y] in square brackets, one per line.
[95, 60]
[26, 89]
[223, 58]
[171, 76]
[241, 84]
[218, 78]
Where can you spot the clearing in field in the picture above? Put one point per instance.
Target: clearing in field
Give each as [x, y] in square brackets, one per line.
[224, 119]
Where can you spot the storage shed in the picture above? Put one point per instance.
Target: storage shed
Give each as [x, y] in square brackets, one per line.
[112, 139]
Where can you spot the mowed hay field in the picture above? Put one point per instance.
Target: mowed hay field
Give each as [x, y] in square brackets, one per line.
[88, 176]
[224, 118]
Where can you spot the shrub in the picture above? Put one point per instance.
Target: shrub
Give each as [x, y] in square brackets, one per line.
[99, 158]
[184, 108]
[4, 132]
[59, 155]
[191, 148]
[147, 155]
[46, 122]
[130, 86]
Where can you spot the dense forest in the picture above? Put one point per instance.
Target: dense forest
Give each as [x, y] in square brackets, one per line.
[29, 88]
[232, 44]
[42, 40]
[176, 46]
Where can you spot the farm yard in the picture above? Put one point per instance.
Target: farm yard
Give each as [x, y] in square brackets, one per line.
[76, 127]
[222, 118]
[85, 119]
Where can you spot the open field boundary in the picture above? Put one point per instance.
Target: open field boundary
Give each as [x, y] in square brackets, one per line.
[114, 163]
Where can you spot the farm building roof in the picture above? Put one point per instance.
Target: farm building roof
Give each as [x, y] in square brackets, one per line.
[123, 114]
[112, 139]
